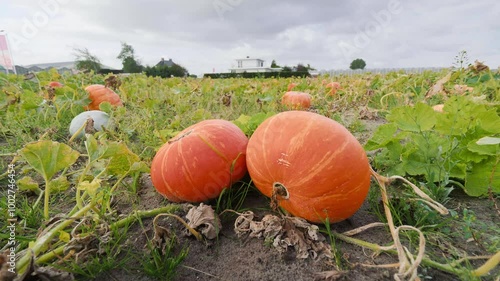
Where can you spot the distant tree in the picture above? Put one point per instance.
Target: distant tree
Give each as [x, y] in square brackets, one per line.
[286, 69]
[130, 65]
[358, 64]
[166, 71]
[85, 61]
[309, 67]
[129, 61]
[301, 68]
[274, 64]
[178, 71]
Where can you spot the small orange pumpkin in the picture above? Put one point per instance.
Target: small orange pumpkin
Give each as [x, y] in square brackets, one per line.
[55, 84]
[311, 165]
[296, 100]
[99, 94]
[334, 86]
[200, 161]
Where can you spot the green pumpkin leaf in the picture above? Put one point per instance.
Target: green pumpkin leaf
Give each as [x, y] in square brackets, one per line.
[242, 122]
[382, 136]
[90, 187]
[49, 157]
[106, 107]
[64, 236]
[140, 167]
[420, 117]
[59, 184]
[30, 100]
[489, 120]
[483, 176]
[121, 159]
[28, 184]
[491, 149]
[96, 149]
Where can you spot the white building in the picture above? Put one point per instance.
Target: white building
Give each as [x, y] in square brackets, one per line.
[252, 65]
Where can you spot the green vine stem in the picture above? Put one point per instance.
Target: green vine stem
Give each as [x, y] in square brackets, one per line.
[131, 218]
[489, 265]
[192, 230]
[45, 239]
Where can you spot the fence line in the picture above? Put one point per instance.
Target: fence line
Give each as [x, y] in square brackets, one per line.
[351, 72]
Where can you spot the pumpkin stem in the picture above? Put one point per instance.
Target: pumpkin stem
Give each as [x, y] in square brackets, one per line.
[89, 127]
[278, 190]
[180, 137]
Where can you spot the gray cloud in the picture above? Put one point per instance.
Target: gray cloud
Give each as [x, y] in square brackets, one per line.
[203, 35]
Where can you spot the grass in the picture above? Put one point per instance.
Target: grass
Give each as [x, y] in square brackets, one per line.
[162, 265]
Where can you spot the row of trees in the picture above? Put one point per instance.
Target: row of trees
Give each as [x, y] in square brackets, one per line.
[298, 68]
[86, 61]
[355, 64]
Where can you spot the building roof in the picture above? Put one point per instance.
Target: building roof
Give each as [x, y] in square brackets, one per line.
[248, 58]
[163, 62]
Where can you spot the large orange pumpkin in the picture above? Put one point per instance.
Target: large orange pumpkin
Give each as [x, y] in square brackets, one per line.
[99, 94]
[311, 165]
[296, 100]
[200, 161]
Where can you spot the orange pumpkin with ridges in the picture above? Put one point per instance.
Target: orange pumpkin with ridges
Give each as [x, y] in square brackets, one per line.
[200, 161]
[311, 165]
[99, 94]
[296, 100]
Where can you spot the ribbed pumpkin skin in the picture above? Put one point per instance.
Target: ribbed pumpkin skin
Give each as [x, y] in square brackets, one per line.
[196, 164]
[321, 164]
[99, 94]
[296, 100]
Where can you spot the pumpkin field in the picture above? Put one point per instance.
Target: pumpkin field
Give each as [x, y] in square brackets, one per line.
[363, 177]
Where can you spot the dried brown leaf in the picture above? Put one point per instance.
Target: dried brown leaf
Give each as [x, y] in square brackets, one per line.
[462, 89]
[203, 219]
[286, 233]
[162, 236]
[366, 113]
[479, 67]
[438, 87]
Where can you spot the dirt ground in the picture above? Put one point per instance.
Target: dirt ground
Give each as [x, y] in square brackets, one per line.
[235, 259]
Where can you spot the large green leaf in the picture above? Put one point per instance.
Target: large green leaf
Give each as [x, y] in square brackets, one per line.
[382, 136]
[418, 118]
[483, 175]
[484, 149]
[49, 157]
[122, 159]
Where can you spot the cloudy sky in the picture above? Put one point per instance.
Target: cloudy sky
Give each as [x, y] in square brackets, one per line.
[203, 35]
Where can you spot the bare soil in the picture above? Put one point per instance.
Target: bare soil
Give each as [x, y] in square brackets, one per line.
[235, 259]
